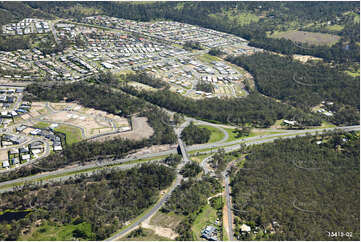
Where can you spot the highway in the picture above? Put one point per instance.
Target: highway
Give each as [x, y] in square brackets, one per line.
[231, 146]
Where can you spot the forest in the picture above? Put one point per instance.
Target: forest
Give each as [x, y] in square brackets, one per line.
[302, 85]
[188, 199]
[305, 187]
[192, 134]
[191, 169]
[255, 109]
[104, 201]
[144, 78]
[88, 95]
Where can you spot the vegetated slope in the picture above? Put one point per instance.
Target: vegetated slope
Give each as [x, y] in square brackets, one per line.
[307, 188]
[11, 12]
[92, 96]
[302, 85]
[105, 201]
[255, 109]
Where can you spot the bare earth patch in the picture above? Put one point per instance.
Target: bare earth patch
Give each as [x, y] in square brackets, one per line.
[3, 155]
[161, 231]
[141, 130]
[154, 149]
[305, 58]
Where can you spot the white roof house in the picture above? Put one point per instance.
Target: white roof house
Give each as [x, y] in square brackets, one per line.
[245, 228]
[289, 122]
[25, 156]
[6, 164]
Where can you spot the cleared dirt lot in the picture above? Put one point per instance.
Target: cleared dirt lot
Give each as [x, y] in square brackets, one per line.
[308, 37]
[141, 130]
[3, 155]
[305, 58]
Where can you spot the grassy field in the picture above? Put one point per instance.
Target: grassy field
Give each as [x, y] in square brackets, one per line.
[73, 134]
[148, 235]
[54, 232]
[208, 58]
[354, 70]
[42, 125]
[307, 37]
[335, 27]
[232, 135]
[216, 134]
[199, 158]
[207, 217]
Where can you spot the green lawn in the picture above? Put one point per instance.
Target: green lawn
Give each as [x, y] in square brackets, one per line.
[353, 74]
[216, 134]
[148, 235]
[199, 158]
[207, 217]
[335, 27]
[232, 135]
[42, 125]
[54, 232]
[208, 58]
[73, 134]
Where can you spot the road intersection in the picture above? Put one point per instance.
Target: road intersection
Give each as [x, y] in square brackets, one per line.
[63, 174]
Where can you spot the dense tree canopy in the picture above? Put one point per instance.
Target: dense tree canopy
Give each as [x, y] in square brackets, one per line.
[308, 188]
[105, 200]
[302, 85]
[255, 109]
[193, 134]
[188, 199]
